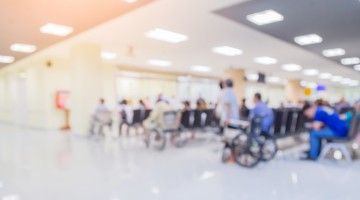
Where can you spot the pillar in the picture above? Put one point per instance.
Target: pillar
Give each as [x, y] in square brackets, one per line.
[294, 91]
[86, 85]
[238, 77]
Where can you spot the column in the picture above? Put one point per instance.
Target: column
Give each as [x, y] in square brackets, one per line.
[86, 85]
[238, 77]
[294, 91]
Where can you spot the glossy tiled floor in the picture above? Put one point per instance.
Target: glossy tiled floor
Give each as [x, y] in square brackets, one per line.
[37, 165]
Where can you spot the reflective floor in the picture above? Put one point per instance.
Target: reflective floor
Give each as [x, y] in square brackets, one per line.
[38, 165]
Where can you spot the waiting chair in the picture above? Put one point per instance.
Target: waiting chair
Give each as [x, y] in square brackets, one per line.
[341, 144]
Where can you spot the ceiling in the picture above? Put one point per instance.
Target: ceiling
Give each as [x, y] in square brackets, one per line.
[20, 20]
[336, 21]
[205, 30]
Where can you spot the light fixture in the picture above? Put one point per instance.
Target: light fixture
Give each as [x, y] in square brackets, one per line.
[130, 1]
[291, 67]
[325, 76]
[308, 84]
[350, 61]
[273, 79]
[106, 55]
[265, 60]
[308, 39]
[336, 78]
[357, 67]
[346, 81]
[227, 51]
[333, 52]
[252, 77]
[56, 29]
[265, 17]
[310, 72]
[23, 48]
[200, 68]
[160, 63]
[166, 36]
[6, 59]
[354, 83]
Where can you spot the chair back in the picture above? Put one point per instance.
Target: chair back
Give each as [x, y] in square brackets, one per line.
[104, 117]
[170, 121]
[355, 126]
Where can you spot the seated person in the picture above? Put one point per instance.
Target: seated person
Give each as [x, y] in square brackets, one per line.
[262, 110]
[156, 116]
[244, 110]
[327, 125]
[101, 116]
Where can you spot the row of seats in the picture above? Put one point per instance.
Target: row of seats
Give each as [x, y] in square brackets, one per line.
[287, 121]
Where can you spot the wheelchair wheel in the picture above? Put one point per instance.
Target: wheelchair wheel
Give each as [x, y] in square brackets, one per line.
[178, 139]
[247, 152]
[268, 149]
[156, 140]
[226, 155]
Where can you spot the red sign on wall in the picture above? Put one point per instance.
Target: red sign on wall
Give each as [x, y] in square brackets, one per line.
[62, 99]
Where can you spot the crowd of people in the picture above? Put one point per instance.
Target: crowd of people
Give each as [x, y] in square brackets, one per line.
[328, 121]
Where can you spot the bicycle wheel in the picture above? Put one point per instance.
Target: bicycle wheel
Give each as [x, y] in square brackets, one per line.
[247, 151]
[156, 140]
[268, 148]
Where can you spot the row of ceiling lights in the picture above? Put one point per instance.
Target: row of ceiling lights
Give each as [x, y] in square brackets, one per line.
[49, 28]
[173, 37]
[271, 16]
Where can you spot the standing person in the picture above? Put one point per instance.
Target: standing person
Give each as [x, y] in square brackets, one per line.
[262, 110]
[230, 103]
[327, 125]
[220, 114]
[244, 110]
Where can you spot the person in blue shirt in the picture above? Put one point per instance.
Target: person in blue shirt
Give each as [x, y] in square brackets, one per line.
[327, 124]
[262, 110]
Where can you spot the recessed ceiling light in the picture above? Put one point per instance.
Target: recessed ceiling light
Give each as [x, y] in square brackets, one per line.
[336, 78]
[333, 52]
[265, 17]
[308, 39]
[160, 63]
[166, 36]
[346, 81]
[310, 72]
[354, 83]
[350, 61]
[200, 68]
[6, 59]
[264, 60]
[252, 77]
[291, 67]
[108, 55]
[273, 79]
[24, 48]
[357, 67]
[227, 51]
[308, 84]
[130, 1]
[325, 76]
[56, 29]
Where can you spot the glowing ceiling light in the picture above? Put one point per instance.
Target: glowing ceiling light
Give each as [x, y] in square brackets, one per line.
[265, 60]
[6, 59]
[56, 29]
[291, 67]
[160, 63]
[227, 51]
[166, 36]
[23, 48]
[308, 39]
[333, 52]
[265, 17]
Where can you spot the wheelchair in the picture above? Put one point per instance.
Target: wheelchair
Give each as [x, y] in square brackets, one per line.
[156, 138]
[250, 146]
